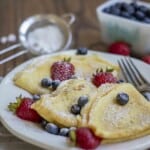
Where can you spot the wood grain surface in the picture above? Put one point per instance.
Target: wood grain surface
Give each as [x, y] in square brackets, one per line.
[13, 12]
[85, 30]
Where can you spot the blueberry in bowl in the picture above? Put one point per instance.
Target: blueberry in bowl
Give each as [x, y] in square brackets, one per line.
[129, 10]
[127, 21]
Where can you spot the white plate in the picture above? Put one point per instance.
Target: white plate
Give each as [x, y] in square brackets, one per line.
[33, 133]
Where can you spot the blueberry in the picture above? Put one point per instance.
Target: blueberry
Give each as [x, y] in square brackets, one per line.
[82, 101]
[122, 98]
[55, 84]
[118, 5]
[143, 9]
[113, 9]
[147, 20]
[125, 14]
[36, 97]
[128, 8]
[43, 123]
[107, 10]
[122, 5]
[116, 12]
[82, 51]
[139, 15]
[52, 128]
[146, 95]
[134, 5]
[75, 109]
[46, 82]
[148, 13]
[131, 10]
[64, 132]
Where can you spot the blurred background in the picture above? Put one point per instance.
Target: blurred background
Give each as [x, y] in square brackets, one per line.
[85, 29]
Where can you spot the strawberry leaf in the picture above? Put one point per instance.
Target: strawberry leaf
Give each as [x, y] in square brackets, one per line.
[67, 59]
[109, 69]
[14, 105]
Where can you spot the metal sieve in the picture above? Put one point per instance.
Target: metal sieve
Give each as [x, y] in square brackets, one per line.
[34, 22]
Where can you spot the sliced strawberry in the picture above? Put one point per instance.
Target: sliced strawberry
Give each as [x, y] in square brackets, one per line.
[22, 109]
[62, 70]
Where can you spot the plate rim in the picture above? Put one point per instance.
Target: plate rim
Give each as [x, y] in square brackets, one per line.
[21, 66]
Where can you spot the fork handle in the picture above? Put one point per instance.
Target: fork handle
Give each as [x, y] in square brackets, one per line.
[11, 48]
[145, 89]
[13, 56]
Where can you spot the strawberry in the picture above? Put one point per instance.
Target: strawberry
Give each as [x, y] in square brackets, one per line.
[85, 138]
[22, 109]
[103, 77]
[146, 59]
[120, 48]
[62, 70]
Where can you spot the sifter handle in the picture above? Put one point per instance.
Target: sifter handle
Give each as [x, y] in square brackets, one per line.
[69, 18]
[13, 47]
[13, 57]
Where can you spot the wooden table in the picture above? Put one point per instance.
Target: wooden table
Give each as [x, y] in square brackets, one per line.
[85, 33]
[85, 29]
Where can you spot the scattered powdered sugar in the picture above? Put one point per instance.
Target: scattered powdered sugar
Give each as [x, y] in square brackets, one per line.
[117, 113]
[105, 88]
[144, 119]
[46, 39]
[79, 73]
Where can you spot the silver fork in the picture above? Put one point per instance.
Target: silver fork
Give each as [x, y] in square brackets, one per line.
[133, 75]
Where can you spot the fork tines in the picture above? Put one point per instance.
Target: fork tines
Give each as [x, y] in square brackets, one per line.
[130, 72]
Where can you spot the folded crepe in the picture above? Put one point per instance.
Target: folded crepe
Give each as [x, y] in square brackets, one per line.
[85, 65]
[56, 107]
[116, 122]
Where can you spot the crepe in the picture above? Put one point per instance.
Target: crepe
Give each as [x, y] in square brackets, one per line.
[85, 65]
[116, 122]
[56, 107]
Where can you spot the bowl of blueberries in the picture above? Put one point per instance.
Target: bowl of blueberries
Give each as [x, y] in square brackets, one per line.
[128, 21]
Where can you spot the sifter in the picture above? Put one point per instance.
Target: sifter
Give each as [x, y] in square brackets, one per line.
[48, 23]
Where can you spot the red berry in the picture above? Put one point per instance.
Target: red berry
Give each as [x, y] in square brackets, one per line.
[120, 48]
[86, 139]
[103, 77]
[22, 108]
[62, 70]
[25, 112]
[146, 59]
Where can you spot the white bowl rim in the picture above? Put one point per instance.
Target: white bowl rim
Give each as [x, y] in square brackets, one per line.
[110, 2]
